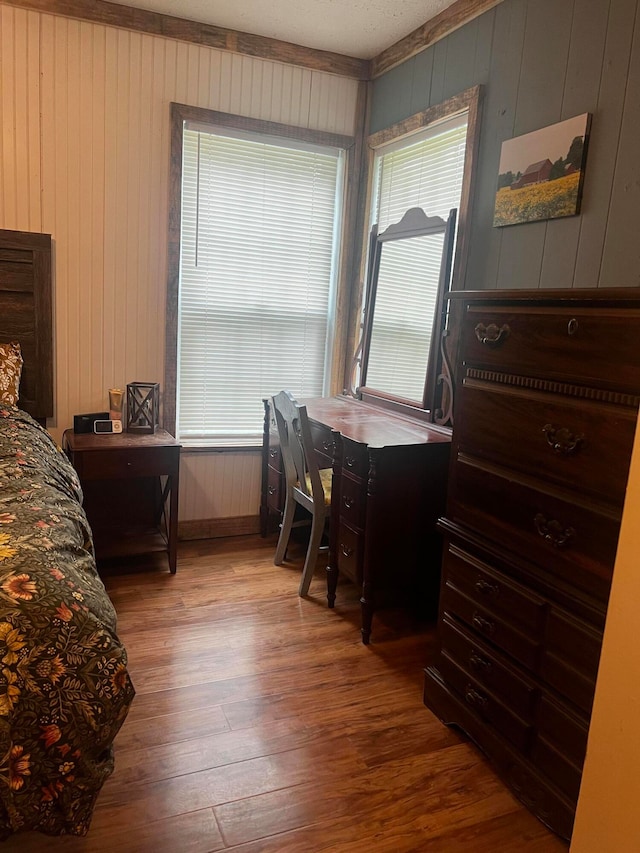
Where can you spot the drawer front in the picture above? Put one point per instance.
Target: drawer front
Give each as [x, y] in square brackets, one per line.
[353, 501]
[489, 626]
[492, 591]
[274, 454]
[275, 492]
[323, 442]
[486, 705]
[573, 443]
[134, 462]
[555, 766]
[355, 458]
[487, 667]
[565, 731]
[591, 344]
[572, 654]
[577, 542]
[349, 553]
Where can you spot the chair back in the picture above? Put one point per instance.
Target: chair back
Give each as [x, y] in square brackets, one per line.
[296, 446]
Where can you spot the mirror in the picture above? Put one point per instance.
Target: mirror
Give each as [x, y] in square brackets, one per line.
[409, 271]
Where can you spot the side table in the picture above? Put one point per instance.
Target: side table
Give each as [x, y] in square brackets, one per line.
[130, 485]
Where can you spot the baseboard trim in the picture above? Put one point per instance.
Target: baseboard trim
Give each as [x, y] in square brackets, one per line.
[216, 528]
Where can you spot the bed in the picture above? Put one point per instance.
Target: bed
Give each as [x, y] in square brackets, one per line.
[64, 685]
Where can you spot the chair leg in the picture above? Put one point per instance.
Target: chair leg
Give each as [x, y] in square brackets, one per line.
[285, 531]
[317, 529]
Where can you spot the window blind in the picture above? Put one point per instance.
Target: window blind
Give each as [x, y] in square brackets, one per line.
[258, 243]
[425, 171]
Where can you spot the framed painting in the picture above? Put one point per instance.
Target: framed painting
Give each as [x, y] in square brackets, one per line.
[541, 173]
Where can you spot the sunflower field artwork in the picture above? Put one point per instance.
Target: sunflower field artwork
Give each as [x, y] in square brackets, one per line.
[541, 173]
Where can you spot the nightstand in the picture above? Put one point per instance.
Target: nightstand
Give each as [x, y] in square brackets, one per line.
[130, 485]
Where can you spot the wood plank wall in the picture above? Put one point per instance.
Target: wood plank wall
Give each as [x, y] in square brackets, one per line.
[84, 156]
[542, 61]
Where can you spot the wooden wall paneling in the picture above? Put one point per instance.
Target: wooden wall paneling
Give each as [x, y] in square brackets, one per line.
[93, 99]
[391, 97]
[603, 145]
[621, 255]
[542, 76]
[438, 83]
[460, 60]
[484, 46]
[498, 119]
[111, 212]
[421, 82]
[582, 82]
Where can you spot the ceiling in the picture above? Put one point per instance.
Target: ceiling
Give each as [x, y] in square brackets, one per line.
[360, 28]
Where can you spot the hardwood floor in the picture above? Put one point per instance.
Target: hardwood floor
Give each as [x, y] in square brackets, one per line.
[263, 725]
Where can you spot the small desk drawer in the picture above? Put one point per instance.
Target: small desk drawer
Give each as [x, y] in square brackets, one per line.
[352, 501]
[323, 442]
[124, 463]
[350, 548]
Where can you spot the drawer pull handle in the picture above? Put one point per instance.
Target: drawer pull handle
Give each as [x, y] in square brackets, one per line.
[348, 502]
[486, 588]
[349, 461]
[327, 445]
[492, 335]
[273, 453]
[474, 698]
[480, 664]
[562, 440]
[572, 326]
[346, 552]
[482, 624]
[272, 490]
[552, 531]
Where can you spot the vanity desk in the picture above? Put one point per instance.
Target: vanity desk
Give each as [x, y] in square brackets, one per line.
[388, 491]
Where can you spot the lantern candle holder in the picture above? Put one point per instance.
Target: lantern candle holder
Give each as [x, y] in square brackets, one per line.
[143, 401]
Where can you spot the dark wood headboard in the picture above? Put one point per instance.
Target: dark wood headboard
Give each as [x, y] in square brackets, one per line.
[25, 314]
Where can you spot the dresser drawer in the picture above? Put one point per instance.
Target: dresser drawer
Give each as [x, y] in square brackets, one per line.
[585, 345]
[556, 767]
[355, 458]
[486, 704]
[489, 626]
[487, 667]
[124, 463]
[275, 496]
[566, 731]
[349, 553]
[566, 441]
[353, 501]
[566, 538]
[572, 654]
[274, 454]
[492, 591]
[323, 443]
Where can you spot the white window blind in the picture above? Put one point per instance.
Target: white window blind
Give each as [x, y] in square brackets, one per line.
[425, 171]
[258, 247]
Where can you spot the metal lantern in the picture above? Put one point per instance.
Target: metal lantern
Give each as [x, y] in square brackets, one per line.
[143, 403]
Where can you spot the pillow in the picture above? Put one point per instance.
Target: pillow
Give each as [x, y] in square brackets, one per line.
[10, 372]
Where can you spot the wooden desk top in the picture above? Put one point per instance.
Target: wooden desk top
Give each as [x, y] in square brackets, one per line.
[373, 425]
[118, 441]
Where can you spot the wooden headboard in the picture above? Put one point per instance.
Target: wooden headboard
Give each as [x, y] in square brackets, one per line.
[25, 314]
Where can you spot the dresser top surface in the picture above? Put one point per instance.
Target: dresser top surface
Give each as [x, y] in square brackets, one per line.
[372, 425]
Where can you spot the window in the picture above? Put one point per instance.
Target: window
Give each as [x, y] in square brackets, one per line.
[259, 246]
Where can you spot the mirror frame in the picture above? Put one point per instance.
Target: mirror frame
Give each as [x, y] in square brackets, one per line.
[414, 223]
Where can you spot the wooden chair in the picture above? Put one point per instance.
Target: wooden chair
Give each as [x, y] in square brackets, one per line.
[306, 484]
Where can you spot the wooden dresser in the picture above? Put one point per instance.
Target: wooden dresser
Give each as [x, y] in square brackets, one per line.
[388, 491]
[547, 393]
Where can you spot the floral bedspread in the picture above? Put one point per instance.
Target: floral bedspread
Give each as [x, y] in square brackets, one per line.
[64, 686]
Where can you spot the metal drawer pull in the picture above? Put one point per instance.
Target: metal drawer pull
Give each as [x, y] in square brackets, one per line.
[273, 453]
[552, 530]
[562, 440]
[348, 502]
[486, 588]
[327, 444]
[474, 698]
[349, 461]
[272, 490]
[480, 664]
[492, 335]
[346, 552]
[572, 326]
[482, 624]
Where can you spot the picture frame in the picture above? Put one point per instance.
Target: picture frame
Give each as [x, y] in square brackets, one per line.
[541, 174]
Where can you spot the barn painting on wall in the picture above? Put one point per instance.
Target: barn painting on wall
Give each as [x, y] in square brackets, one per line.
[541, 173]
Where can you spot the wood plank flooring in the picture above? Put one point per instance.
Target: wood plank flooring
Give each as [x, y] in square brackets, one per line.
[263, 725]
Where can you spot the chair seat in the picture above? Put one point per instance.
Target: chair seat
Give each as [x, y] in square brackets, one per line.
[326, 477]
